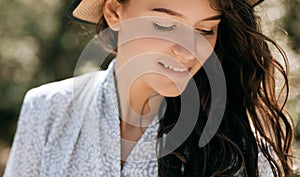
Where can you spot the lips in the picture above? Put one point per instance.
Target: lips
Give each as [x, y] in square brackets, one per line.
[176, 72]
[174, 68]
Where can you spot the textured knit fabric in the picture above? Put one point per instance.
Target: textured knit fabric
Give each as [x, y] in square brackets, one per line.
[71, 128]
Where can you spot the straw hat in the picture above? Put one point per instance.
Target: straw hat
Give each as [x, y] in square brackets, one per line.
[89, 11]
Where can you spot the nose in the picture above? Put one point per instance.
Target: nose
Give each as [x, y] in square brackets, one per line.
[182, 53]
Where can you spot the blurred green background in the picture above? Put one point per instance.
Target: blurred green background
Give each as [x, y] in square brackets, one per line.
[39, 44]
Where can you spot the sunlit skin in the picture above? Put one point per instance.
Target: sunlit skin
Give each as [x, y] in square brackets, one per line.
[134, 102]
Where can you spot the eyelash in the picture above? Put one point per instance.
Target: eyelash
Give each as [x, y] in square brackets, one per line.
[171, 28]
[207, 33]
[163, 28]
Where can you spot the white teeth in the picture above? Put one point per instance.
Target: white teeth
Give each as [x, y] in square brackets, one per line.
[174, 69]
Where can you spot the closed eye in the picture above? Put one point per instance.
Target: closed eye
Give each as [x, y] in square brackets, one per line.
[161, 28]
[207, 32]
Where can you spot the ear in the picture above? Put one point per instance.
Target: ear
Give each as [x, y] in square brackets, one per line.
[111, 12]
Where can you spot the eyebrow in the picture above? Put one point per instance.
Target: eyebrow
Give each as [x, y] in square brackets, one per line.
[173, 13]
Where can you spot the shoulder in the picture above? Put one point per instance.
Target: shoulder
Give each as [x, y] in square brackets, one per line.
[71, 87]
[65, 89]
[49, 91]
[58, 97]
[48, 111]
[54, 103]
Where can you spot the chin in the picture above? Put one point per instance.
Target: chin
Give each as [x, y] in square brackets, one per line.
[171, 92]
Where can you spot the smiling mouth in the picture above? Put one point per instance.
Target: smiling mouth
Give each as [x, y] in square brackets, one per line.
[180, 70]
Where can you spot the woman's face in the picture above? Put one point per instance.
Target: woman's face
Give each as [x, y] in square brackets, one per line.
[165, 42]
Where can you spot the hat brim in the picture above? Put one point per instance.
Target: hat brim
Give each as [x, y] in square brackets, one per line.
[86, 11]
[90, 11]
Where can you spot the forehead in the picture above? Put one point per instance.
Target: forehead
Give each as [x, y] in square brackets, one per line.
[189, 9]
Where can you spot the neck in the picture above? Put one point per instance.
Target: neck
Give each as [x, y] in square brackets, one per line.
[138, 103]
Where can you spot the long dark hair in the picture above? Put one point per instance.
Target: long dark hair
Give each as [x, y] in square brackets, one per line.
[254, 118]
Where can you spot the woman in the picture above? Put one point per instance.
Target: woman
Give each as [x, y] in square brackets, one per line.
[73, 127]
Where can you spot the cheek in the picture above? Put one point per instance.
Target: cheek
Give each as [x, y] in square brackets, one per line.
[144, 46]
[212, 41]
[195, 68]
[205, 49]
[204, 52]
